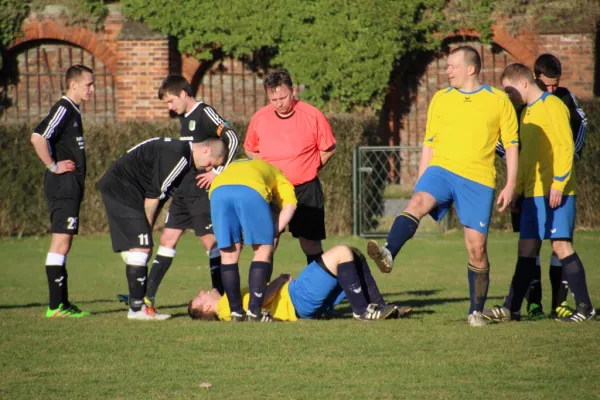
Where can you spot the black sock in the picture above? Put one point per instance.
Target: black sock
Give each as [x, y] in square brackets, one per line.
[257, 282]
[373, 295]
[270, 275]
[479, 281]
[560, 288]
[160, 266]
[136, 280]
[230, 276]
[509, 297]
[403, 228]
[524, 270]
[350, 281]
[574, 274]
[56, 275]
[215, 274]
[535, 286]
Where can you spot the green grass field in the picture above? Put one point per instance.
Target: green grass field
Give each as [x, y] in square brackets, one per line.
[433, 355]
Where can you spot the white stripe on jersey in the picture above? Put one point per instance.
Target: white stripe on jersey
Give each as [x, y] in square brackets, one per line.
[582, 127]
[233, 146]
[58, 115]
[172, 176]
[142, 143]
[212, 114]
[186, 138]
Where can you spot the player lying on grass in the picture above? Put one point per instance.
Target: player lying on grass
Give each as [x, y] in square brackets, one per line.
[313, 292]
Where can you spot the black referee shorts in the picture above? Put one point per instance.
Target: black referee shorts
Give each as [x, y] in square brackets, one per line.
[129, 228]
[190, 213]
[308, 221]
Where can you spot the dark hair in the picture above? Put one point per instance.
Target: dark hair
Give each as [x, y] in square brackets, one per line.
[75, 72]
[517, 71]
[471, 57]
[277, 78]
[217, 146]
[174, 84]
[199, 314]
[548, 65]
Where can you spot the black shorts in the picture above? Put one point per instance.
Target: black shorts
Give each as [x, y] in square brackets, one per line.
[515, 216]
[64, 215]
[308, 221]
[190, 213]
[129, 228]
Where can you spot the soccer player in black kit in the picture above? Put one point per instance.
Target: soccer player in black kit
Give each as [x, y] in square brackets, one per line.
[58, 142]
[190, 207]
[133, 190]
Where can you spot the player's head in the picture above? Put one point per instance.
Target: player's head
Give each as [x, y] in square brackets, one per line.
[203, 307]
[464, 64]
[80, 83]
[518, 81]
[547, 70]
[209, 153]
[177, 92]
[281, 91]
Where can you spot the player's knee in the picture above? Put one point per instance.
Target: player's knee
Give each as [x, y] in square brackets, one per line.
[420, 204]
[344, 253]
[529, 248]
[169, 238]
[137, 258]
[477, 253]
[562, 248]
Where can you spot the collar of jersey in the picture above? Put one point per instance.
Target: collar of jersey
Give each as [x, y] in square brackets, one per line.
[483, 87]
[73, 104]
[192, 110]
[542, 98]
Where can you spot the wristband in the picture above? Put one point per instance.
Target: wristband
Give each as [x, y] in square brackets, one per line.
[52, 167]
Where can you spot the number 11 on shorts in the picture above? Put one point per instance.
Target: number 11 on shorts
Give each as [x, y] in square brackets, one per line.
[143, 239]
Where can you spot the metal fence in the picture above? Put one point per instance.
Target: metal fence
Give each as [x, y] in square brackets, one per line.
[383, 180]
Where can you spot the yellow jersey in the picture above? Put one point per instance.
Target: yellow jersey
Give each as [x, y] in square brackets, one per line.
[464, 127]
[259, 175]
[547, 148]
[281, 307]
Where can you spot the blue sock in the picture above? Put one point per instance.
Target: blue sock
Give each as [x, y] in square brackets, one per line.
[367, 281]
[350, 281]
[479, 280]
[257, 281]
[230, 276]
[574, 274]
[403, 228]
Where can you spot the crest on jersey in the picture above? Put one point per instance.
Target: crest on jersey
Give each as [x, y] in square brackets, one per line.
[192, 125]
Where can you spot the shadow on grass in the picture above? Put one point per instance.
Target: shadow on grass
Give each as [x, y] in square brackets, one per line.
[33, 305]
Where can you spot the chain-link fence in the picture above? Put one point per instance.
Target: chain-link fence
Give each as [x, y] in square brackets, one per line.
[383, 180]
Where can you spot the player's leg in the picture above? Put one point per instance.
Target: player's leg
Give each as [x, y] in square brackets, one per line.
[561, 233]
[228, 233]
[535, 310]
[64, 215]
[308, 222]
[130, 232]
[560, 289]
[203, 226]
[432, 194]
[473, 202]
[258, 275]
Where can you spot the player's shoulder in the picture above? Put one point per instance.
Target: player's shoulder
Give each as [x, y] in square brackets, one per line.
[551, 100]
[267, 110]
[309, 109]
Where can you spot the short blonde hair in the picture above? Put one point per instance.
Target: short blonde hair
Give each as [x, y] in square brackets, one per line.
[517, 71]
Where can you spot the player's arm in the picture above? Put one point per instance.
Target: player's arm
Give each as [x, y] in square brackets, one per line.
[326, 155]
[563, 150]
[230, 138]
[251, 145]
[325, 139]
[170, 169]
[274, 288]
[286, 199]
[50, 127]
[509, 135]
[150, 207]
[578, 123]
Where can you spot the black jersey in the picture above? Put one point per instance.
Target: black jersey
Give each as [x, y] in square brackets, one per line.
[201, 123]
[150, 170]
[63, 130]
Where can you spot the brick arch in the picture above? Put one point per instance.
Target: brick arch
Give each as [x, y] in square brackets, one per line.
[515, 46]
[84, 38]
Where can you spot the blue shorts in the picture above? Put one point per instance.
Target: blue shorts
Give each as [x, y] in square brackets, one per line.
[237, 208]
[311, 290]
[539, 221]
[473, 201]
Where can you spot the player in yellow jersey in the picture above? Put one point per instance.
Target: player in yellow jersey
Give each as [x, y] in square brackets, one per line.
[546, 182]
[312, 292]
[464, 123]
[239, 202]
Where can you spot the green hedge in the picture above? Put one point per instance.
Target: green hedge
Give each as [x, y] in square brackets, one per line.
[23, 209]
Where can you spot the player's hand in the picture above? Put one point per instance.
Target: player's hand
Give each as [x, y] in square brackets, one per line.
[64, 166]
[505, 197]
[204, 180]
[555, 198]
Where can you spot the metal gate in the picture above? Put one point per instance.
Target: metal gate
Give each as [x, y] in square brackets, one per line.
[383, 179]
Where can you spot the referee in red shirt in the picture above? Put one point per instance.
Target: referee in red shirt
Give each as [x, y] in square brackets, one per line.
[296, 138]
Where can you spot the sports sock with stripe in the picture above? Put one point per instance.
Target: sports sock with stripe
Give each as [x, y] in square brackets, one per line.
[350, 281]
[230, 275]
[479, 281]
[257, 282]
[574, 274]
[136, 280]
[56, 274]
[403, 228]
[161, 264]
